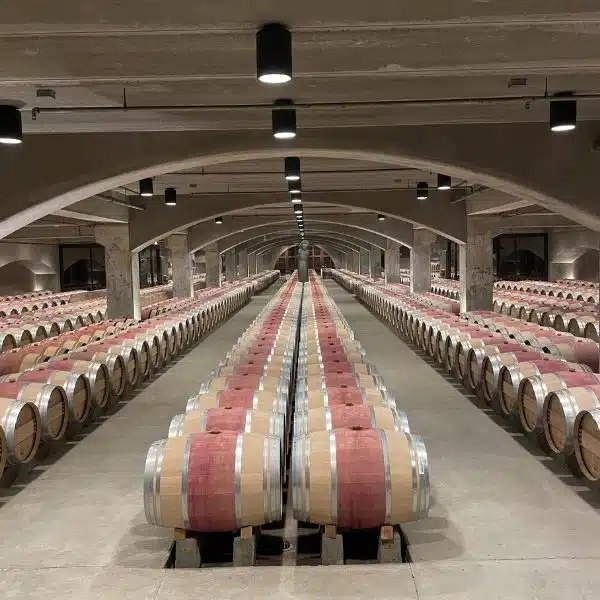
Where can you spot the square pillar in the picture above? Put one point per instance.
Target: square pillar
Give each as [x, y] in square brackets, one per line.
[251, 263]
[212, 261]
[230, 266]
[181, 261]
[375, 262]
[476, 264]
[365, 262]
[355, 262]
[260, 262]
[122, 272]
[242, 259]
[420, 261]
[392, 262]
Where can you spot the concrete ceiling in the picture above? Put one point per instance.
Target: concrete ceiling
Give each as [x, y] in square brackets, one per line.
[186, 65]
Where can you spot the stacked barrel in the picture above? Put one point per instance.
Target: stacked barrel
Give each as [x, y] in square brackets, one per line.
[53, 388]
[354, 462]
[544, 381]
[221, 469]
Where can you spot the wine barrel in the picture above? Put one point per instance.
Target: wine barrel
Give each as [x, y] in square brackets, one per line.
[7, 343]
[262, 400]
[533, 391]
[579, 350]
[367, 416]
[128, 354]
[359, 478]
[228, 419]
[338, 395]
[476, 355]
[96, 373]
[21, 423]
[114, 363]
[3, 450]
[50, 399]
[511, 376]
[75, 386]
[215, 481]
[561, 407]
[490, 370]
[586, 436]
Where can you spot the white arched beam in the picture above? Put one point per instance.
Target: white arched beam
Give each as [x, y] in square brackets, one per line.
[520, 159]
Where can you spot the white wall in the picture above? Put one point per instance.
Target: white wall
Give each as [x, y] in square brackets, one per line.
[28, 267]
[574, 255]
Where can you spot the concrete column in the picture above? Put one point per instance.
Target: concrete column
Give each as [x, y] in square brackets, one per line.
[476, 264]
[242, 259]
[181, 260]
[355, 262]
[212, 260]
[420, 260]
[122, 271]
[365, 262]
[392, 262]
[260, 262]
[375, 262]
[251, 263]
[230, 266]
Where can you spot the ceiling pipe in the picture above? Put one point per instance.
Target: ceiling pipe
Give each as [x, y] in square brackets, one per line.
[119, 202]
[468, 101]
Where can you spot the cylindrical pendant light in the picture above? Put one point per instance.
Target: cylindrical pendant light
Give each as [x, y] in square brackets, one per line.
[298, 209]
[219, 220]
[422, 190]
[563, 115]
[381, 217]
[284, 123]
[11, 125]
[295, 187]
[292, 168]
[297, 199]
[146, 187]
[444, 182]
[273, 54]
[170, 197]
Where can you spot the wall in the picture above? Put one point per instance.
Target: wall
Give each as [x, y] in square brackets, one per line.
[28, 267]
[574, 255]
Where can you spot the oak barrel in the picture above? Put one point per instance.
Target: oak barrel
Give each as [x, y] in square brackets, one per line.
[214, 481]
[587, 443]
[359, 478]
[21, 423]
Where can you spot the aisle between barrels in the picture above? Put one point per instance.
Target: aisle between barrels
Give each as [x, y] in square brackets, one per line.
[493, 498]
[86, 508]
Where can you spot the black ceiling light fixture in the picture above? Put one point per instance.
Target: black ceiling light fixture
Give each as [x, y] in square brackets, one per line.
[219, 220]
[292, 168]
[11, 125]
[422, 190]
[170, 197]
[381, 217]
[284, 120]
[274, 54]
[444, 182]
[563, 115]
[295, 187]
[298, 209]
[146, 187]
[297, 199]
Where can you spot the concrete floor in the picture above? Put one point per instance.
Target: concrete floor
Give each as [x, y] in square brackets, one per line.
[506, 522]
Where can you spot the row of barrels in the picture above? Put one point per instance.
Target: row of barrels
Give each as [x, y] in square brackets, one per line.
[570, 289]
[577, 315]
[354, 462]
[46, 390]
[221, 468]
[543, 381]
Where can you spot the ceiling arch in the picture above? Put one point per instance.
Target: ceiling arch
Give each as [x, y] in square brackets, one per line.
[516, 158]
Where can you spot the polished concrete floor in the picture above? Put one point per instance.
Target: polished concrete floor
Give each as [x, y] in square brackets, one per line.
[506, 522]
